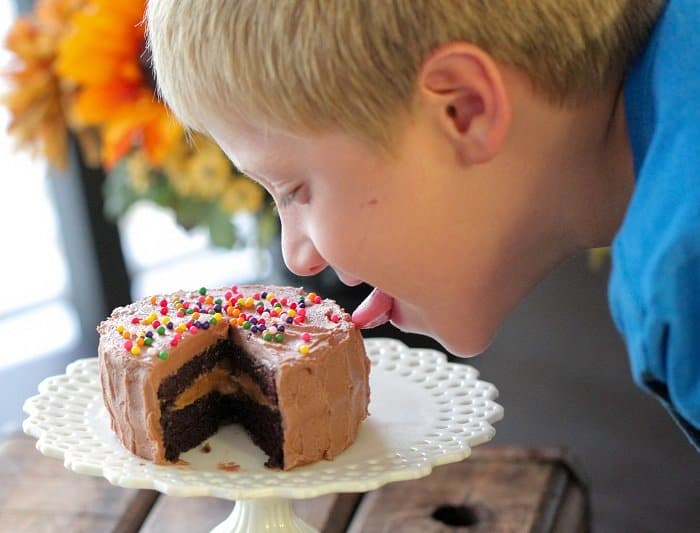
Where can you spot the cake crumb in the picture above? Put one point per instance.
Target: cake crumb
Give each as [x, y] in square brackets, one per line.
[206, 448]
[229, 466]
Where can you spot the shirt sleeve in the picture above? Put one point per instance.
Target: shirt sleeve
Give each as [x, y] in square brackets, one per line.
[672, 344]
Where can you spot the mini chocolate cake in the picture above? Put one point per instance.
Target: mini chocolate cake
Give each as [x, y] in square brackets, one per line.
[289, 366]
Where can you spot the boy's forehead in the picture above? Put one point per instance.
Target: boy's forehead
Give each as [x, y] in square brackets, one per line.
[255, 151]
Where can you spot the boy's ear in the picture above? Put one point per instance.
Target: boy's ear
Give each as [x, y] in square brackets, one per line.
[462, 89]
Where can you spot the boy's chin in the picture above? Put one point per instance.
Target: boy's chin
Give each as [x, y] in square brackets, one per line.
[461, 345]
[465, 350]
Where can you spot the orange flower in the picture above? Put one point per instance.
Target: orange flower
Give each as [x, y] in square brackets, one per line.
[35, 101]
[104, 57]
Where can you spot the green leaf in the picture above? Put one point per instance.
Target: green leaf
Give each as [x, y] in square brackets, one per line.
[117, 192]
[191, 212]
[268, 227]
[222, 232]
[161, 192]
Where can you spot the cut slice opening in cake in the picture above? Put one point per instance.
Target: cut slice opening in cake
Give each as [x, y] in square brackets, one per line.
[220, 386]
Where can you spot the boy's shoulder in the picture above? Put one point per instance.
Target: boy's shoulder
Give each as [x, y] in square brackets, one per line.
[662, 86]
[654, 287]
[662, 105]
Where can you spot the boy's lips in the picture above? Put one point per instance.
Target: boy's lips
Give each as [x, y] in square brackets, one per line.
[374, 311]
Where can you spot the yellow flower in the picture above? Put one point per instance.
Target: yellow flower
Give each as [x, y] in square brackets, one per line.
[242, 194]
[209, 171]
[175, 160]
[139, 171]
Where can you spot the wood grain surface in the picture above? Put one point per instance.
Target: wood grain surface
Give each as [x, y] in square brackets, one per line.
[496, 490]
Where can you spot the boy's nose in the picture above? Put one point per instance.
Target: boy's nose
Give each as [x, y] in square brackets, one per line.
[300, 254]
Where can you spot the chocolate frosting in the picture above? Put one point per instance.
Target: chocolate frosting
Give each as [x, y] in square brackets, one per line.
[322, 395]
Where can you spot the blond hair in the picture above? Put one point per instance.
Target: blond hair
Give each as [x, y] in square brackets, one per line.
[352, 65]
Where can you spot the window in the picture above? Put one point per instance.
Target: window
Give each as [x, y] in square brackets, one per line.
[39, 325]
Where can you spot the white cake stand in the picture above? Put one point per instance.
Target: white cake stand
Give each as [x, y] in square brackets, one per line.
[425, 412]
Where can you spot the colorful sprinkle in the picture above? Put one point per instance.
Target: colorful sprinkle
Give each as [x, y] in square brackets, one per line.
[262, 313]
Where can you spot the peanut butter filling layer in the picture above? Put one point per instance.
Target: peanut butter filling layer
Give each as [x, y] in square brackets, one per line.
[222, 381]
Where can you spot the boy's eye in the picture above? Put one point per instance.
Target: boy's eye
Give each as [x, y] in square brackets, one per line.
[289, 197]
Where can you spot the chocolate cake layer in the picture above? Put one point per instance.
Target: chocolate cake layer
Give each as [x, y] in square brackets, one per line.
[185, 428]
[264, 425]
[176, 383]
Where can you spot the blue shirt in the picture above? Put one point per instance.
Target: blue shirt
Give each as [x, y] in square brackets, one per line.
[654, 288]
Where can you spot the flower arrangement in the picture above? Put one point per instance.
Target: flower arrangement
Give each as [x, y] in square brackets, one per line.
[82, 70]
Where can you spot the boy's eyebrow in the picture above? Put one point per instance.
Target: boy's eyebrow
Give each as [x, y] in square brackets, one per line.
[264, 175]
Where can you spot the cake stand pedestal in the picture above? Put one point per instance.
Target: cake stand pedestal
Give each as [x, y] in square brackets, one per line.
[265, 514]
[425, 412]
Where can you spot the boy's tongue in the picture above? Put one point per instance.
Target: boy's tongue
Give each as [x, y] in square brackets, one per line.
[374, 311]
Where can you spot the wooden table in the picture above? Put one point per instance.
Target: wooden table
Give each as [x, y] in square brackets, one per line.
[498, 489]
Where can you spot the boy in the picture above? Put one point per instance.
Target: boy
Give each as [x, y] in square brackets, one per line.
[453, 152]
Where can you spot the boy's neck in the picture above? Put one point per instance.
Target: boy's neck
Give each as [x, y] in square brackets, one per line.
[586, 173]
[610, 186]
